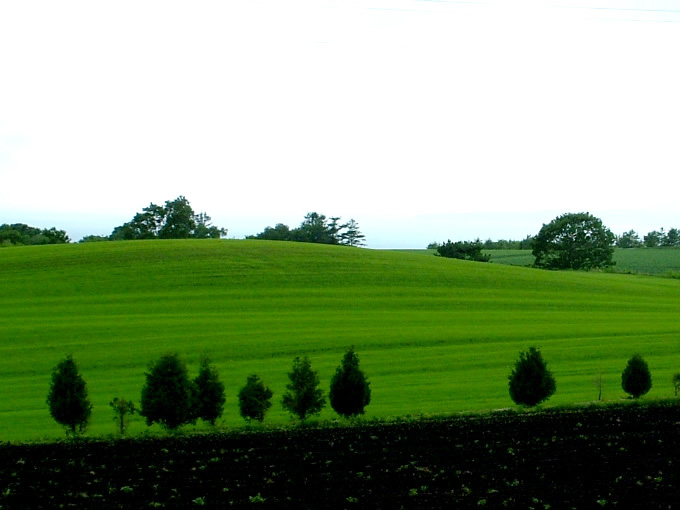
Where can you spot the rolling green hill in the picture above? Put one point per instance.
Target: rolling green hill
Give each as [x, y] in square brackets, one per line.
[434, 335]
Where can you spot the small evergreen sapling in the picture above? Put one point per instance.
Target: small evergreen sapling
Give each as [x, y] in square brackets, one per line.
[67, 398]
[122, 411]
[530, 380]
[636, 379]
[254, 399]
[350, 392]
[303, 397]
[208, 394]
[676, 383]
[168, 393]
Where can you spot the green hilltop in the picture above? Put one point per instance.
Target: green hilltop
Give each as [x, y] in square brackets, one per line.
[434, 335]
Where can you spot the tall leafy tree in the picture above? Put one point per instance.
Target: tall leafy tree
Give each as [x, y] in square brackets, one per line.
[179, 220]
[350, 391]
[209, 399]
[574, 241]
[254, 399]
[167, 395]
[636, 379]
[303, 397]
[67, 399]
[530, 381]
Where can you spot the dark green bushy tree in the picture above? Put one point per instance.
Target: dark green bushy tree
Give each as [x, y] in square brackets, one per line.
[208, 394]
[350, 392]
[303, 397]
[254, 399]
[530, 380]
[167, 394]
[67, 398]
[574, 241]
[464, 250]
[636, 379]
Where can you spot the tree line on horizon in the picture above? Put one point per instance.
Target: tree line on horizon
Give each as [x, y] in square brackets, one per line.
[571, 241]
[176, 219]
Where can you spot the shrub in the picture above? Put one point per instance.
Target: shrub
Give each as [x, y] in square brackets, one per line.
[350, 392]
[254, 399]
[122, 410]
[530, 380]
[167, 394]
[208, 397]
[67, 398]
[303, 398]
[636, 380]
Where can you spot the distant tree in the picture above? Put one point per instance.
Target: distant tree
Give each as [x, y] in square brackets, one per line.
[208, 401]
[574, 241]
[636, 379]
[464, 250]
[351, 235]
[205, 229]
[67, 398]
[174, 220]
[280, 232]
[654, 238]
[303, 397]
[350, 391]
[316, 228]
[254, 399]
[530, 380]
[167, 394]
[94, 239]
[122, 411]
[433, 245]
[629, 239]
[179, 220]
[22, 234]
[676, 383]
[672, 238]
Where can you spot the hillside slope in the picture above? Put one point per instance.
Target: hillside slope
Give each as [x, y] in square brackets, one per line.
[434, 335]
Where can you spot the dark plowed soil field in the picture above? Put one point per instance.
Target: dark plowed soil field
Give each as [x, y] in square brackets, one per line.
[623, 457]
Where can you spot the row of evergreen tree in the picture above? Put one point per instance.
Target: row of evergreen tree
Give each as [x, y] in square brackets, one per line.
[171, 399]
[532, 383]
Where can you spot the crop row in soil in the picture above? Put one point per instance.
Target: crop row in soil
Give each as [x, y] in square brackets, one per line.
[623, 456]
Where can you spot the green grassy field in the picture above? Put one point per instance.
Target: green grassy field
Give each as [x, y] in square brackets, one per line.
[434, 335]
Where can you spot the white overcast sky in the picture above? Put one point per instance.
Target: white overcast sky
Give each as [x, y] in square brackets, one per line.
[422, 120]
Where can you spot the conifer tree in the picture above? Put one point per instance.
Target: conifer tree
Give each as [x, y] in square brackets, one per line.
[350, 392]
[209, 398]
[254, 399]
[636, 380]
[530, 380]
[67, 398]
[303, 397]
[167, 394]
